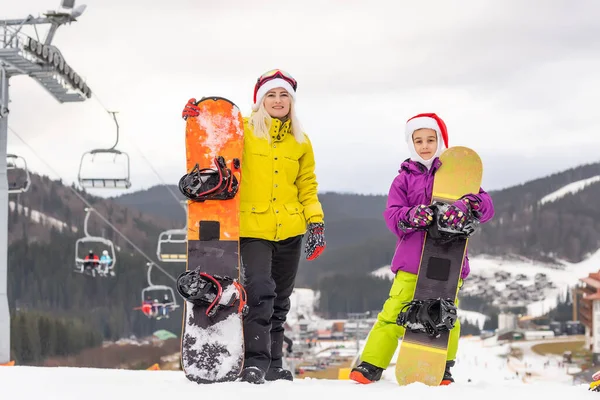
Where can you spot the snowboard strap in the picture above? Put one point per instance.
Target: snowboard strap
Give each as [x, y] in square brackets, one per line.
[211, 309]
[243, 307]
[219, 183]
[431, 316]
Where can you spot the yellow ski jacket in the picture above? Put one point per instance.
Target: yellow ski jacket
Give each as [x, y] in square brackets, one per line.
[278, 193]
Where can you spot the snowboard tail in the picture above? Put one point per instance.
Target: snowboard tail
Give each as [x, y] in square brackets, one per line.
[212, 344]
[422, 357]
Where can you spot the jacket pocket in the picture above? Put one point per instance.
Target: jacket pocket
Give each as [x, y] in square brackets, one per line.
[291, 167]
[255, 207]
[251, 215]
[294, 222]
[294, 208]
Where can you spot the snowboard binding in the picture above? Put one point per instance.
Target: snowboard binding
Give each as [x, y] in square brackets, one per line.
[211, 184]
[448, 235]
[212, 291]
[431, 316]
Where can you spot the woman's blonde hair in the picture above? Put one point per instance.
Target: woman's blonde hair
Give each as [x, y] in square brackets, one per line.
[261, 123]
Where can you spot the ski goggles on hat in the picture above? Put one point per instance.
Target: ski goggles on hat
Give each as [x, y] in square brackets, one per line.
[274, 74]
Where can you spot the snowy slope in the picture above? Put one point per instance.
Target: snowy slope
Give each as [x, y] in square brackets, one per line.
[573, 187]
[483, 270]
[472, 317]
[384, 273]
[489, 375]
[303, 302]
[513, 282]
[40, 217]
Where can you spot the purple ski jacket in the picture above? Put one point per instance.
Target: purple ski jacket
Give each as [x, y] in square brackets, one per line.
[413, 186]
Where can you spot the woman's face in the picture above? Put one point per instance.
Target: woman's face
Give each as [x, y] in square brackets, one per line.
[277, 102]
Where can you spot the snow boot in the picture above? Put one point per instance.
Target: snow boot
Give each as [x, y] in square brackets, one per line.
[366, 373]
[252, 375]
[447, 379]
[278, 373]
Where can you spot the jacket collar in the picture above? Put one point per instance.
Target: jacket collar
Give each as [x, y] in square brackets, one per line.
[414, 167]
[279, 130]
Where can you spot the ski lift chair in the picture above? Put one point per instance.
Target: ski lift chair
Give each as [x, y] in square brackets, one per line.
[85, 243]
[89, 241]
[104, 182]
[171, 236]
[97, 182]
[16, 163]
[171, 305]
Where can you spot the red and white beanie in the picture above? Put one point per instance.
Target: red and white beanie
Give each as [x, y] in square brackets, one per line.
[259, 92]
[430, 121]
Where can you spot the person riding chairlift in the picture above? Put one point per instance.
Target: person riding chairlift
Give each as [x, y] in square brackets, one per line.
[91, 261]
[164, 309]
[105, 262]
[147, 307]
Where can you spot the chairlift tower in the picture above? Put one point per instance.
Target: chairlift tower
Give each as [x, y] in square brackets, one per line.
[43, 62]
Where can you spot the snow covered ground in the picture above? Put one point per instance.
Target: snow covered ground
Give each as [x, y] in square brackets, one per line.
[573, 187]
[40, 217]
[563, 277]
[478, 362]
[472, 317]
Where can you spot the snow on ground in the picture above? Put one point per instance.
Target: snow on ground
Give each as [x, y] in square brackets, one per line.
[564, 278]
[569, 275]
[478, 362]
[473, 317]
[573, 187]
[384, 273]
[40, 217]
[544, 367]
[302, 305]
[326, 349]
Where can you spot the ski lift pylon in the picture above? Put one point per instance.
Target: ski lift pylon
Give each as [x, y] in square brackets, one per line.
[80, 267]
[172, 237]
[14, 163]
[121, 181]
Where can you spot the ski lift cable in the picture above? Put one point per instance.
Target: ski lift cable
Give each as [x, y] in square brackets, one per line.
[106, 221]
[132, 142]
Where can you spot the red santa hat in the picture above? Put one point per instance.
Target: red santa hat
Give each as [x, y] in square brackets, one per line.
[427, 120]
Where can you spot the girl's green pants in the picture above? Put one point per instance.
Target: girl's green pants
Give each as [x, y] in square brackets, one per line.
[383, 338]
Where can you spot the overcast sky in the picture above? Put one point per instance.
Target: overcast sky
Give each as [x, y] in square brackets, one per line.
[517, 81]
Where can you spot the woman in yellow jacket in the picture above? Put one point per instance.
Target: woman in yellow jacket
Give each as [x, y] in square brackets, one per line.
[278, 205]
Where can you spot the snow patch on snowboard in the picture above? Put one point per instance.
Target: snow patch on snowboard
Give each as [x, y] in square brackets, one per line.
[215, 351]
[229, 294]
[219, 129]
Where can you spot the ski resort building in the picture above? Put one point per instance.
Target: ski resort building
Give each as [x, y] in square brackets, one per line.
[586, 309]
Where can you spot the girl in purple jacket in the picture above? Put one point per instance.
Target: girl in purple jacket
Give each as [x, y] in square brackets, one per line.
[406, 214]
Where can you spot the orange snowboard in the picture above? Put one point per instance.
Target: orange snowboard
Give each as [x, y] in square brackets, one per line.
[217, 131]
[212, 346]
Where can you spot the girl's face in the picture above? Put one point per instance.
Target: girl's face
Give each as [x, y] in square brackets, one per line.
[425, 141]
[277, 102]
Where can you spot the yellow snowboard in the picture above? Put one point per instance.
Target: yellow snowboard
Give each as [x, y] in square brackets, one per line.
[423, 358]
